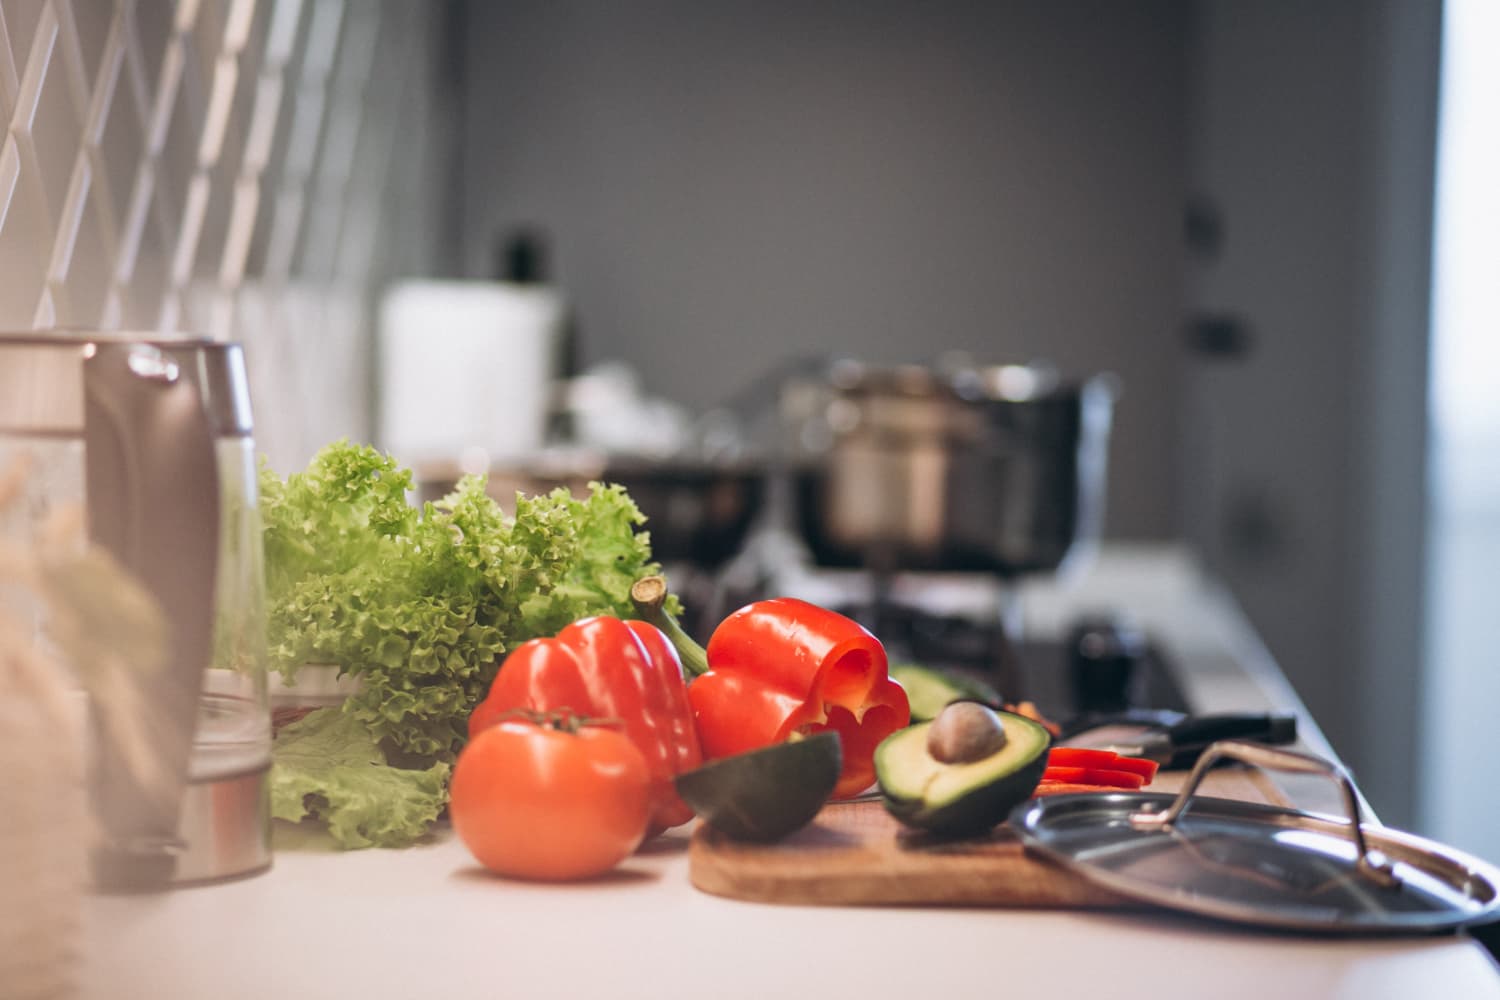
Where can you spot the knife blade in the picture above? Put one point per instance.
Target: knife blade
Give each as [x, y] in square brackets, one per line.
[1178, 745]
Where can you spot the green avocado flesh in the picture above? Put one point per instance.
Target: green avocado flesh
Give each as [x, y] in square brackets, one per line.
[929, 689]
[960, 799]
[765, 794]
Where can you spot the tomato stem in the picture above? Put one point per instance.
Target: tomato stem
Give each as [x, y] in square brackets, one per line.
[564, 720]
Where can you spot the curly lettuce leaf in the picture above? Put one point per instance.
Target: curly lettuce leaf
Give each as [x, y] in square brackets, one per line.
[334, 538]
[570, 558]
[348, 505]
[328, 766]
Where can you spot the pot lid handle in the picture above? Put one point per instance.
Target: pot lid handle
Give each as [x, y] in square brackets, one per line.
[1371, 864]
[153, 500]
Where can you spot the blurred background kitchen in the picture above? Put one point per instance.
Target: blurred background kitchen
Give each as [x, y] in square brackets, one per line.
[1268, 221]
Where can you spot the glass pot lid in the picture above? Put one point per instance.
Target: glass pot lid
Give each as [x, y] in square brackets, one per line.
[1257, 864]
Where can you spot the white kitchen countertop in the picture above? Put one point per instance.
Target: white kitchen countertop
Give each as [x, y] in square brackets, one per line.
[427, 922]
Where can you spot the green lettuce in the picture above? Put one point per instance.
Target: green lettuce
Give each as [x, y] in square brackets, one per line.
[422, 606]
[330, 768]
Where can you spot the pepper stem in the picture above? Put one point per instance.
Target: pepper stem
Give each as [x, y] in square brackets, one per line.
[649, 595]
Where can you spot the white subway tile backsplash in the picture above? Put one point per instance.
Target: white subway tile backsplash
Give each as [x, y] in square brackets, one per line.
[212, 167]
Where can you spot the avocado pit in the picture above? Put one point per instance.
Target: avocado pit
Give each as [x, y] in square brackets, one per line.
[965, 731]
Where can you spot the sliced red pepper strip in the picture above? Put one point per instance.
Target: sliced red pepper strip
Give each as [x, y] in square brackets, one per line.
[1094, 776]
[1069, 788]
[1092, 757]
[783, 666]
[1143, 766]
[607, 669]
[1079, 757]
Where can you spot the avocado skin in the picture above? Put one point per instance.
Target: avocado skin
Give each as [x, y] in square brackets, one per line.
[929, 689]
[983, 806]
[766, 794]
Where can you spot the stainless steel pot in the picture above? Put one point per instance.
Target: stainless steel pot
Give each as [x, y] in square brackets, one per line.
[997, 469]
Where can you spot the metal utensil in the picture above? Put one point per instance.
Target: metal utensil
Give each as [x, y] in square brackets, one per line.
[1261, 865]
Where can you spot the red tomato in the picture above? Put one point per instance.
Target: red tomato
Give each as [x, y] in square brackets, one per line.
[533, 801]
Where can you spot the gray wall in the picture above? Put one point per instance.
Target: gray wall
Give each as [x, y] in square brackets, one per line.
[1303, 472]
[732, 184]
[1268, 476]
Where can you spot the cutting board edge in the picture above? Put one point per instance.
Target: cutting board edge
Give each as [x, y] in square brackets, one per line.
[721, 867]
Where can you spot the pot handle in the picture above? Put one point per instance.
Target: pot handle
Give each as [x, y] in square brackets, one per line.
[1369, 863]
[153, 501]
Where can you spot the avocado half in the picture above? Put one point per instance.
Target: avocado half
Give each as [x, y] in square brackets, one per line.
[960, 799]
[765, 794]
[929, 690]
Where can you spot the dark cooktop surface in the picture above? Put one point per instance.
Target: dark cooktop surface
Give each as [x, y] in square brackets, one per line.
[1047, 679]
[1042, 671]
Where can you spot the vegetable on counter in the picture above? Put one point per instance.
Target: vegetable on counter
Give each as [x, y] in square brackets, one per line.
[420, 606]
[1094, 757]
[1087, 769]
[783, 666]
[965, 731]
[961, 774]
[766, 794]
[551, 798]
[930, 689]
[1102, 776]
[605, 668]
[1028, 710]
[329, 767]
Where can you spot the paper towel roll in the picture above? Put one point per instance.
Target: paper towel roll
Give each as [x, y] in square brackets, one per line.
[465, 370]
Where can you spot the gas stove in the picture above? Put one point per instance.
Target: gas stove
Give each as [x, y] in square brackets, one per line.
[970, 624]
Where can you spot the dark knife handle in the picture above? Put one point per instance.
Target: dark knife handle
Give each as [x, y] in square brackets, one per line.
[1263, 727]
[1190, 737]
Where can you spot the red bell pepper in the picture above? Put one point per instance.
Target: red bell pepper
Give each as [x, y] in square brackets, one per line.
[1079, 757]
[1110, 777]
[604, 668]
[1100, 758]
[1046, 787]
[783, 666]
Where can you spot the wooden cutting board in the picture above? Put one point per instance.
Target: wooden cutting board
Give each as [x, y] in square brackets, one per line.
[855, 853]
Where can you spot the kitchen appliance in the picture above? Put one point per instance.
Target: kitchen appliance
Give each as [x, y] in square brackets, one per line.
[970, 624]
[151, 437]
[939, 487]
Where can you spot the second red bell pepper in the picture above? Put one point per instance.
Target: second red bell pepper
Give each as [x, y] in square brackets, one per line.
[784, 666]
[605, 668]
